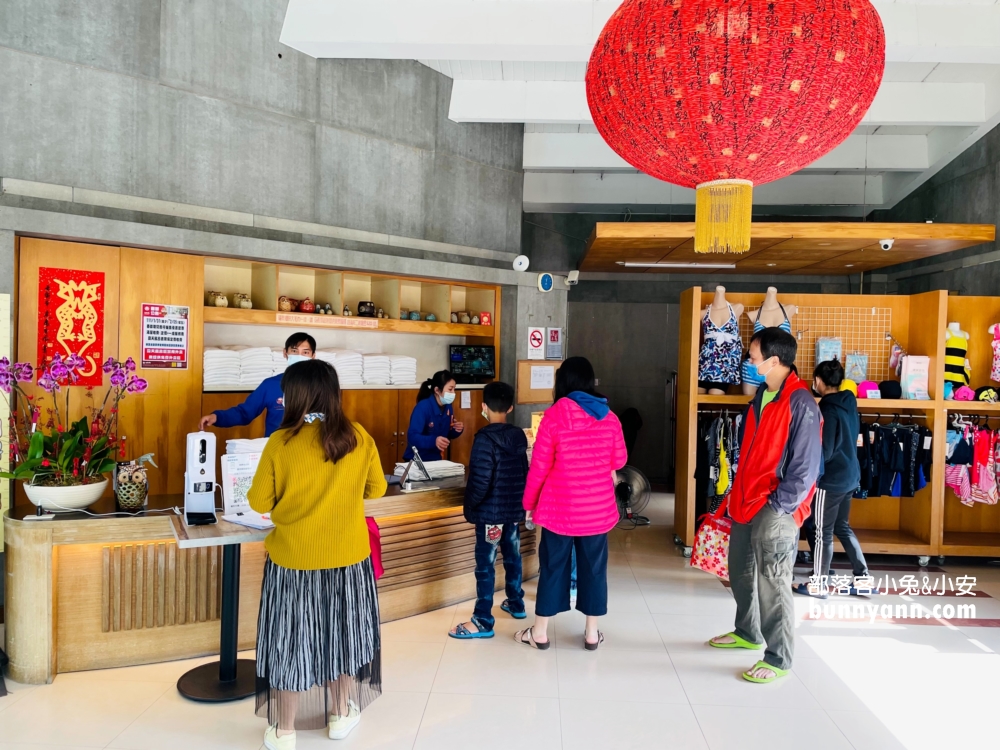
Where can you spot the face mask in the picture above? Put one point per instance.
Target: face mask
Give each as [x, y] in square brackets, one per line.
[763, 374]
[486, 415]
[447, 398]
[294, 359]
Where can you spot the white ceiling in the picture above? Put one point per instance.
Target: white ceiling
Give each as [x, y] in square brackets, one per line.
[524, 61]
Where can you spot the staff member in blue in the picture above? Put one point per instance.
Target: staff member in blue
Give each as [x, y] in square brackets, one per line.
[268, 396]
[432, 423]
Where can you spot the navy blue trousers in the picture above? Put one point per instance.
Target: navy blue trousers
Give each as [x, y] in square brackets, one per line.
[555, 564]
[486, 558]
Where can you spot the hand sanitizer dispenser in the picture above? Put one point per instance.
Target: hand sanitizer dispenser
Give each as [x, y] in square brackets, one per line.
[199, 479]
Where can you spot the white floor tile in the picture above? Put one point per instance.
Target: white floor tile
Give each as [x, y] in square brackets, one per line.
[79, 712]
[498, 666]
[461, 722]
[410, 667]
[635, 630]
[174, 722]
[865, 731]
[643, 676]
[390, 723]
[713, 678]
[15, 693]
[739, 728]
[628, 725]
[684, 633]
[430, 627]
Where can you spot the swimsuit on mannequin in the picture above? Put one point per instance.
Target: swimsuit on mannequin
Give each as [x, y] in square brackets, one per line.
[995, 370]
[719, 359]
[770, 314]
[956, 364]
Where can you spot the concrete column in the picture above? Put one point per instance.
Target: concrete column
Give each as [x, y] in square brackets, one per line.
[542, 310]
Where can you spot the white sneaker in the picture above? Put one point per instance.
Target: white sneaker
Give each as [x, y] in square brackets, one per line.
[341, 726]
[273, 742]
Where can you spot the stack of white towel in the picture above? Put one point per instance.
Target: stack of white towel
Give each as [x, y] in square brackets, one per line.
[402, 369]
[222, 367]
[349, 365]
[326, 355]
[242, 445]
[256, 365]
[278, 362]
[377, 370]
[437, 470]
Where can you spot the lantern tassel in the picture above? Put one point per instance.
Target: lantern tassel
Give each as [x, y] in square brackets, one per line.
[722, 215]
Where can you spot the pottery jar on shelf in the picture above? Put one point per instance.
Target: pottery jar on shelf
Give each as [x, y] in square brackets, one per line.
[242, 301]
[307, 306]
[216, 299]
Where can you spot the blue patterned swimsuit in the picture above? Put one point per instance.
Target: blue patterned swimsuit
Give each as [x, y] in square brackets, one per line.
[750, 375]
[721, 350]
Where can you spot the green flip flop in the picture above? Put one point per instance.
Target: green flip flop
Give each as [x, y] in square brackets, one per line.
[737, 643]
[748, 676]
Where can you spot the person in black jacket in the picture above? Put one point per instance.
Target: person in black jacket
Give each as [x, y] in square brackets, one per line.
[841, 470]
[498, 470]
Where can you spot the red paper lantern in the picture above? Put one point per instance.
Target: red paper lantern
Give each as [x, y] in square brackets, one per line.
[723, 94]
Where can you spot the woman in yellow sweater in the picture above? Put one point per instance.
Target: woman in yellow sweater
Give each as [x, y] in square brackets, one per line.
[318, 642]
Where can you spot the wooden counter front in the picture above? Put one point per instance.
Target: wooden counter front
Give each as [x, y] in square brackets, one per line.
[92, 593]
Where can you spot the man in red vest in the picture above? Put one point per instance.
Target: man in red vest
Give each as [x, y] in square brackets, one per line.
[780, 460]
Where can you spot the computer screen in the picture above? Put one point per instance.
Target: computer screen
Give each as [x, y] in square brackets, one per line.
[475, 361]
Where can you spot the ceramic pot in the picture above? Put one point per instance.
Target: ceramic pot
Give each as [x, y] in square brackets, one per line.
[65, 499]
[464, 318]
[307, 306]
[131, 486]
[242, 301]
[415, 315]
[347, 311]
[366, 309]
[475, 320]
[454, 317]
[285, 304]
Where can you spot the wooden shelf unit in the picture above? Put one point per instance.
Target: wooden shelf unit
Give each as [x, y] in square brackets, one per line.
[884, 525]
[266, 282]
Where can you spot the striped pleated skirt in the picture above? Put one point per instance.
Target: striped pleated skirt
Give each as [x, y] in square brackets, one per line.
[318, 642]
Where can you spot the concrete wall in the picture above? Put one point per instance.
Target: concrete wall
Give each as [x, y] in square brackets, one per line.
[965, 191]
[195, 101]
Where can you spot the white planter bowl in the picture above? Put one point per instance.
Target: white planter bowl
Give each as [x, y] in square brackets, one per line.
[65, 499]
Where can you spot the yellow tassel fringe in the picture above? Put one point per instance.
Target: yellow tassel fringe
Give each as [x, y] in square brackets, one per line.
[722, 216]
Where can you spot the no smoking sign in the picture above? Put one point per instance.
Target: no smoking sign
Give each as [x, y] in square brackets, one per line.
[536, 343]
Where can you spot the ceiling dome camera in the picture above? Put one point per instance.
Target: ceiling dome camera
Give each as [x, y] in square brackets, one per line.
[521, 263]
[885, 244]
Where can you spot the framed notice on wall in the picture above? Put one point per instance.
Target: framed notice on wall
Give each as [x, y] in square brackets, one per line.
[535, 381]
[164, 336]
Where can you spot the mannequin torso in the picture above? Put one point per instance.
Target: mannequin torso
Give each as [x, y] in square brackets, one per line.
[718, 311]
[770, 314]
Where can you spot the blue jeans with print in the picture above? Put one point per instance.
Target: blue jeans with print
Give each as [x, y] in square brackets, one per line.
[486, 558]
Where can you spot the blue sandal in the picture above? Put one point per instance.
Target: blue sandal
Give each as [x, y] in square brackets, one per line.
[463, 633]
[516, 615]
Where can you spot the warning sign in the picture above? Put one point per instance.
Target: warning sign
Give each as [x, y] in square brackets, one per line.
[536, 343]
[164, 336]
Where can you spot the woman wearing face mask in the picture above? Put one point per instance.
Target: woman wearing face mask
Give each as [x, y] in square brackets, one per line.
[432, 423]
[299, 347]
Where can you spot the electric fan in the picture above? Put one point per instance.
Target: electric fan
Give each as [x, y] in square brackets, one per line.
[632, 493]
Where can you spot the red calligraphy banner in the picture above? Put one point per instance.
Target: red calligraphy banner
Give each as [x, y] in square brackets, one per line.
[71, 319]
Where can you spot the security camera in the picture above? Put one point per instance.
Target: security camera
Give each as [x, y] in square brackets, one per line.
[572, 278]
[521, 263]
[885, 244]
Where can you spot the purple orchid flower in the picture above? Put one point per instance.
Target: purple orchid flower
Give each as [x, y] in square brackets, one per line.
[118, 378]
[130, 364]
[74, 361]
[137, 385]
[48, 383]
[109, 365]
[23, 372]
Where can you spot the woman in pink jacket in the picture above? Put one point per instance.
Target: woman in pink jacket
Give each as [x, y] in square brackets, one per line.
[570, 494]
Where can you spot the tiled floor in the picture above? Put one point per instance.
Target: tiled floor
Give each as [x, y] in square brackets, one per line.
[654, 683]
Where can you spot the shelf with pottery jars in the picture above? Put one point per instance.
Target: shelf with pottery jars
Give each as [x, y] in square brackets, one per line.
[251, 293]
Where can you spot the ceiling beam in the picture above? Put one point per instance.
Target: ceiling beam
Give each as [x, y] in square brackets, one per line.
[589, 152]
[928, 104]
[572, 191]
[565, 30]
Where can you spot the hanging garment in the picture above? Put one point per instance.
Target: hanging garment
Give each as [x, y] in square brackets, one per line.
[995, 370]
[984, 468]
[721, 351]
[959, 448]
[956, 476]
[956, 349]
[865, 436]
[750, 374]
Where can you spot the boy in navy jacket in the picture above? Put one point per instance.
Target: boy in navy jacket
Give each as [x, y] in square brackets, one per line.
[498, 470]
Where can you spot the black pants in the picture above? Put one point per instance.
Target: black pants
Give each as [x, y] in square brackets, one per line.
[555, 563]
[836, 513]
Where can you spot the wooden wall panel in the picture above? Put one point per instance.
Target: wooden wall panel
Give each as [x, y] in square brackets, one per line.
[407, 400]
[376, 411]
[460, 449]
[134, 588]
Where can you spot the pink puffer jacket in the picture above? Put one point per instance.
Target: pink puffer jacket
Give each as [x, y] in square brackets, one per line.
[569, 487]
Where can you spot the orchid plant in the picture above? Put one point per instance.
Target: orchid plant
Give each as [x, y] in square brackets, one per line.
[56, 452]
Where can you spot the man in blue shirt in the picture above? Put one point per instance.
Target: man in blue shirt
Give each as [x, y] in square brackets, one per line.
[298, 348]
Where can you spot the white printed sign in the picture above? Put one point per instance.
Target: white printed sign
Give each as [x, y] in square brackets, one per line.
[536, 343]
[543, 378]
[553, 343]
[237, 476]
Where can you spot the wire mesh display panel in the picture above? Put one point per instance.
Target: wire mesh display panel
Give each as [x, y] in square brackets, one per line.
[860, 329]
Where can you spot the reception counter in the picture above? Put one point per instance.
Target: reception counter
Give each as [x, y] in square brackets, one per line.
[92, 593]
